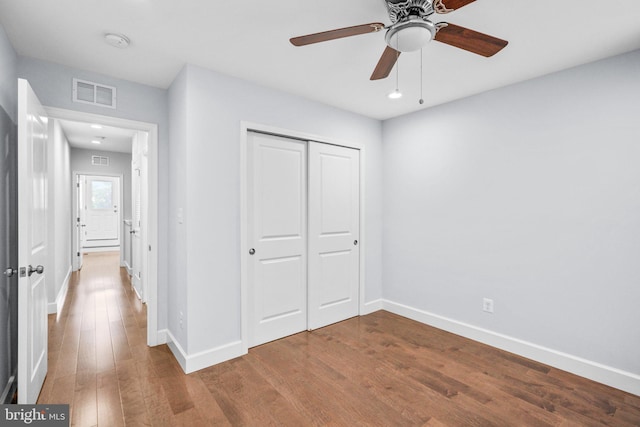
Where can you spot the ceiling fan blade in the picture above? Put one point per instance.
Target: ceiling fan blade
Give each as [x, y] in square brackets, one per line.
[469, 40]
[337, 34]
[386, 63]
[446, 6]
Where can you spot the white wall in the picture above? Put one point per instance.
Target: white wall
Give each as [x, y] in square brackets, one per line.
[206, 111]
[53, 85]
[529, 195]
[59, 222]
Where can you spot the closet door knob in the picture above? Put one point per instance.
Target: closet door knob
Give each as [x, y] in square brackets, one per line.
[355, 243]
[252, 251]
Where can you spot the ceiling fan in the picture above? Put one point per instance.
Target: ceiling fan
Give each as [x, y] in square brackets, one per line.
[411, 29]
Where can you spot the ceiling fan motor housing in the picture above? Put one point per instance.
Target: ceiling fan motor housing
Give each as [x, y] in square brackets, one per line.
[403, 10]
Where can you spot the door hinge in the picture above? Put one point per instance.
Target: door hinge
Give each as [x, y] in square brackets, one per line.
[78, 184]
[78, 254]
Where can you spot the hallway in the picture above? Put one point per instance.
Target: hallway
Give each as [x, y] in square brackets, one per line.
[99, 361]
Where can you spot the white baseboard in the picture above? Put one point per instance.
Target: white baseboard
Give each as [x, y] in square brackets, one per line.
[90, 249]
[194, 362]
[613, 377]
[372, 306]
[128, 267]
[56, 306]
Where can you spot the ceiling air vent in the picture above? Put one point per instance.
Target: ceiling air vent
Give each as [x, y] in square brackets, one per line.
[99, 161]
[94, 93]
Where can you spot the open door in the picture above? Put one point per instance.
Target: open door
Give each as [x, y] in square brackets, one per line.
[80, 222]
[32, 244]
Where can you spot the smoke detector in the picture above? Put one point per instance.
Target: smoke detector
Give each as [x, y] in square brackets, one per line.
[117, 40]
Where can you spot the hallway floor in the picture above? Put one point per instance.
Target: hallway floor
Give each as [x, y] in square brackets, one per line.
[380, 369]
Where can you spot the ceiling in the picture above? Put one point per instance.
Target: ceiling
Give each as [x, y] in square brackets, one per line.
[81, 135]
[249, 39]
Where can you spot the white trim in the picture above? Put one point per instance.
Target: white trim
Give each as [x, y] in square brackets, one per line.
[163, 336]
[89, 249]
[245, 128]
[152, 190]
[598, 372]
[203, 359]
[56, 306]
[372, 306]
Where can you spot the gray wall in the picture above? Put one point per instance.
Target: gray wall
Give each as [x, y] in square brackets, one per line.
[59, 214]
[8, 79]
[206, 111]
[119, 164]
[8, 211]
[53, 85]
[528, 195]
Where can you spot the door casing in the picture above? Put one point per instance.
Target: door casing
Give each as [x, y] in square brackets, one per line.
[245, 128]
[154, 336]
[78, 175]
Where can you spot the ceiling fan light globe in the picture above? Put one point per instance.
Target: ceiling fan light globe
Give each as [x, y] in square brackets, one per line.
[396, 94]
[411, 35]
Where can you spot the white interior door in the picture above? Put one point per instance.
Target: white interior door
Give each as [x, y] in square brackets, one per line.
[32, 244]
[277, 229]
[136, 235]
[102, 211]
[334, 230]
[80, 224]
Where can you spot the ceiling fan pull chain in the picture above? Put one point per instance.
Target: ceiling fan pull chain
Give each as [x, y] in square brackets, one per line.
[421, 101]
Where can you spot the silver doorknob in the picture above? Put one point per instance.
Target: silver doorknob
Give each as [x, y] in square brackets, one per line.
[252, 251]
[9, 272]
[39, 269]
[355, 243]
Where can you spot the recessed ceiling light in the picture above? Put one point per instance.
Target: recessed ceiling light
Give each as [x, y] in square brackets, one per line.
[96, 126]
[95, 141]
[117, 40]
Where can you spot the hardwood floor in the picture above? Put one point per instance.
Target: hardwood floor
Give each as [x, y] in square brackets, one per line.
[378, 370]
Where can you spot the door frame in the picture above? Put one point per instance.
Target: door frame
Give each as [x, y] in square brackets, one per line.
[75, 201]
[154, 337]
[245, 128]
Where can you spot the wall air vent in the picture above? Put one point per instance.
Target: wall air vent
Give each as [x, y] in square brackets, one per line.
[99, 161]
[94, 93]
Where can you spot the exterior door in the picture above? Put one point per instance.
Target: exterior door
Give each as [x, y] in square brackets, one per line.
[334, 230]
[277, 231]
[102, 211]
[32, 244]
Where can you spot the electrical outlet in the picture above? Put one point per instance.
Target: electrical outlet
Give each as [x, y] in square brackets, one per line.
[487, 305]
[180, 320]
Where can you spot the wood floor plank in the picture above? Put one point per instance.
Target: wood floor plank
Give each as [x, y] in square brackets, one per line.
[108, 397]
[375, 370]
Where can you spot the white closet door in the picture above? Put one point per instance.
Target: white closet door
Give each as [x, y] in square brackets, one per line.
[277, 230]
[334, 230]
